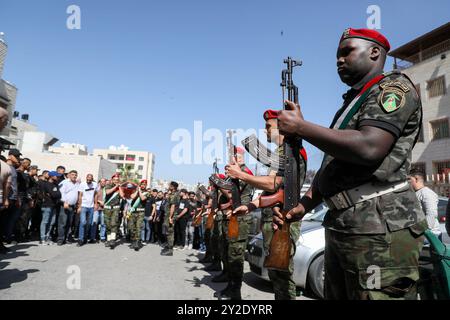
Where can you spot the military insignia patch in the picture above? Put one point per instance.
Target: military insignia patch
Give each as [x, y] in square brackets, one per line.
[391, 99]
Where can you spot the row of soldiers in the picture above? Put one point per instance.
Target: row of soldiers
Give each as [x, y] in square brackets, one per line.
[224, 252]
[374, 218]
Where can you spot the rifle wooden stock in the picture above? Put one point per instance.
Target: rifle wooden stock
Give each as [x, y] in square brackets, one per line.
[272, 200]
[280, 249]
[198, 219]
[233, 227]
[210, 221]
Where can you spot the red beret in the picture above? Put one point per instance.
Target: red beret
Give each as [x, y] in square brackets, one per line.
[270, 114]
[240, 150]
[143, 181]
[303, 154]
[367, 34]
[115, 175]
[221, 176]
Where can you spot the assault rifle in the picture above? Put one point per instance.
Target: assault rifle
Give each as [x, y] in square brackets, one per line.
[233, 225]
[281, 244]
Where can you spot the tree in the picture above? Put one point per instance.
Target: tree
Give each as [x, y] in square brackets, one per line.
[128, 174]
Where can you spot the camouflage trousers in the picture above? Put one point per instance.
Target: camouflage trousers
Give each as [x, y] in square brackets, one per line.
[207, 239]
[236, 250]
[135, 223]
[372, 267]
[170, 228]
[215, 237]
[111, 217]
[223, 243]
[283, 284]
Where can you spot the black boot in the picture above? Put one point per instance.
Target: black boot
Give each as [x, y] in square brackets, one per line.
[234, 293]
[216, 266]
[207, 259]
[223, 277]
[136, 246]
[167, 252]
[224, 291]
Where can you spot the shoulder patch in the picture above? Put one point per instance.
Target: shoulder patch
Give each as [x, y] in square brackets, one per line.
[392, 97]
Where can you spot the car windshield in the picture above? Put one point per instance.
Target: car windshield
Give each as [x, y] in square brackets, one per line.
[442, 206]
[319, 214]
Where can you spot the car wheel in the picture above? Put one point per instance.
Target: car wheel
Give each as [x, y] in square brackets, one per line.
[316, 276]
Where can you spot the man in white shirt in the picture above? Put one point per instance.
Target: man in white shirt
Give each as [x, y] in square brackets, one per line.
[5, 184]
[69, 196]
[86, 196]
[428, 200]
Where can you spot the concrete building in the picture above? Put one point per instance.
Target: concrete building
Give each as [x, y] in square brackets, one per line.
[70, 148]
[141, 163]
[8, 91]
[84, 164]
[27, 137]
[426, 60]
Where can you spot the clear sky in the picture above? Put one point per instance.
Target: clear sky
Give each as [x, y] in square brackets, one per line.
[138, 70]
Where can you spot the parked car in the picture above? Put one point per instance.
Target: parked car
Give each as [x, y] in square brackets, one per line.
[442, 208]
[308, 259]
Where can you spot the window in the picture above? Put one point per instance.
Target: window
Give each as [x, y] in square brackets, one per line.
[120, 165]
[442, 167]
[419, 166]
[130, 157]
[439, 129]
[111, 157]
[141, 159]
[139, 176]
[436, 87]
[140, 167]
[120, 158]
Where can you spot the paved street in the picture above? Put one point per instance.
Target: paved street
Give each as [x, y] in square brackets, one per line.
[31, 271]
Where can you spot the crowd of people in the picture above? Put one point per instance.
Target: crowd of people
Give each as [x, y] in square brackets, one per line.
[57, 207]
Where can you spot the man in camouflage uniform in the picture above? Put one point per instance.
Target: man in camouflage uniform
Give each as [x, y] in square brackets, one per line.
[238, 246]
[374, 228]
[216, 241]
[137, 213]
[113, 194]
[169, 222]
[283, 284]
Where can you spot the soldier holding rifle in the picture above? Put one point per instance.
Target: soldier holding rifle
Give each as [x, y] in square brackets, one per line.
[374, 226]
[283, 285]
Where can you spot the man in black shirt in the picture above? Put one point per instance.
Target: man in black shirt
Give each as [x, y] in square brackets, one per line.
[181, 219]
[23, 188]
[147, 230]
[159, 218]
[50, 199]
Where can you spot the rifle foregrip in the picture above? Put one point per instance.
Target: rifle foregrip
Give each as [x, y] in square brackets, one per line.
[272, 200]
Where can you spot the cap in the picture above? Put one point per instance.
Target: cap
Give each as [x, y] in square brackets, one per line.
[54, 174]
[34, 167]
[143, 181]
[270, 114]
[367, 34]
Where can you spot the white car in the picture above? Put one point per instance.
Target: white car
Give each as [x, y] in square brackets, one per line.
[308, 259]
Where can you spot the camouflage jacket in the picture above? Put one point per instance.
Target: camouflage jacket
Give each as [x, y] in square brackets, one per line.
[392, 105]
[174, 199]
[245, 189]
